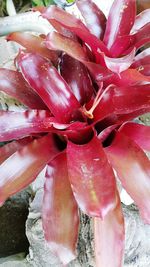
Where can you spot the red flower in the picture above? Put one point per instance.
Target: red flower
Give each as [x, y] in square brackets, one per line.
[79, 104]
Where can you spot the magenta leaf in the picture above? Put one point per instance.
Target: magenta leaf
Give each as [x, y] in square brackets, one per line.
[13, 84]
[50, 86]
[60, 212]
[57, 41]
[7, 150]
[121, 44]
[122, 100]
[76, 26]
[22, 167]
[121, 64]
[91, 177]
[94, 17]
[109, 237]
[133, 169]
[33, 44]
[77, 77]
[121, 12]
[141, 59]
[142, 36]
[22, 123]
[140, 20]
[130, 76]
[75, 50]
[139, 133]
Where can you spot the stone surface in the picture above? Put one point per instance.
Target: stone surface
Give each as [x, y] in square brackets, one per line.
[137, 251]
[17, 260]
[13, 215]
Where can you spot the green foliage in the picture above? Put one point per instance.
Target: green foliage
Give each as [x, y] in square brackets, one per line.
[42, 2]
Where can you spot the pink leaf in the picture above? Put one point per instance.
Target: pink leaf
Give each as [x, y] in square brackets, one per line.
[109, 238]
[94, 17]
[139, 133]
[22, 167]
[122, 100]
[13, 84]
[76, 26]
[140, 20]
[131, 77]
[142, 58]
[57, 41]
[91, 177]
[50, 86]
[7, 150]
[60, 211]
[141, 37]
[75, 50]
[121, 12]
[33, 44]
[14, 125]
[121, 64]
[133, 169]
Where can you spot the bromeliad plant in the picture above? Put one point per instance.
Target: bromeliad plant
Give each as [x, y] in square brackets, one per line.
[82, 85]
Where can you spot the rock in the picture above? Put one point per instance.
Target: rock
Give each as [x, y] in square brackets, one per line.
[137, 252]
[13, 215]
[17, 260]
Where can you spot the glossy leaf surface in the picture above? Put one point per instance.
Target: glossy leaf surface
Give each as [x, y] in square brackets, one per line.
[22, 167]
[142, 58]
[60, 211]
[121, 11]
[94, 17]
[22, 123]
[7, 150]
[13, 84]
[33, 44]
[49, 84]
[138, 133]
[77, 77]
[133, 169]
[57, 41]
[76, 26]
[91, 177]
[122, 100]
[109, 237]
[118, 65]
[140, 20]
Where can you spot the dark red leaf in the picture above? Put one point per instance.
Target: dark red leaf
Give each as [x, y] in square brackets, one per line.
[121, 12]
[14, 125]
[141, 59]
[142, 36]
[76, 75]
[133, 169]
[57, 41]
[76, 26]
[75, 50]
[94, 17]
[122, 100]
[138, 133]
[60, 211]
[13, 84]
[109, 237]
[33, 44]
[91, 177]
[49, 84]
[130, 76]
[22, 167]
